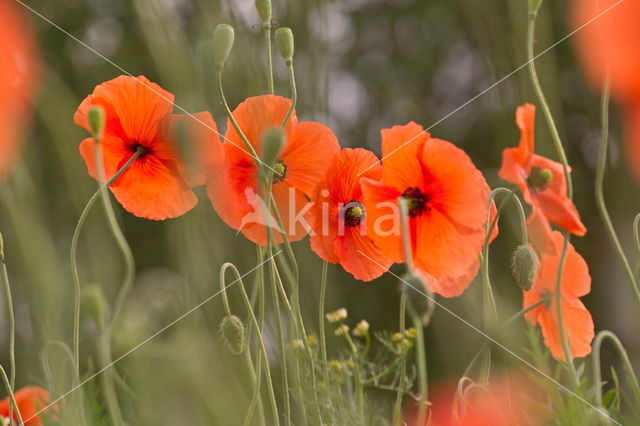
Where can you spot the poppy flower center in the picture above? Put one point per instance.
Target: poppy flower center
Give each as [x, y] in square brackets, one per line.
[416, 201]
[354, 214]
[539, 178]
[133, 148]
[279, 171]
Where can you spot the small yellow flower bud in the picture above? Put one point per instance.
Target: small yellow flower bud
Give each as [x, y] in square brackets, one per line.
[96, 119]
[336, 366]
[411, 333]
[405, 344]
[361, 329]
[350, 364]
[312, 340]
[396, 337]
[341, 330]
[222, 43]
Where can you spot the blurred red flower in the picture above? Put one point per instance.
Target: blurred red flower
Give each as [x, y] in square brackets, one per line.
[609, 44]
[339, 219]
[542, 184]
[507, 400]
[233, 189]
[18, 76]
[448, 201]
[30, 400]
[576, 282]
[139, 114]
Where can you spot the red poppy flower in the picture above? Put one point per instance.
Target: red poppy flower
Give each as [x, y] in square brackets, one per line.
[576, 282]
[507, 400]
[339, 219]
[542, 183]
[138, 114]
[234, 189]
[18, 75]
[609, 44]
[30, 400]
[447, 198]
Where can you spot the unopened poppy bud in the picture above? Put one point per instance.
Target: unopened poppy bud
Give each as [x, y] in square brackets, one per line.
[232, 334]
[534, 5]
[94, 303]
[264, 11]
[524, 265]
[420, 299]
[284, 41]
[342, 330]
[361, 329]
[272, 145]
[222, 43]
[96, 119]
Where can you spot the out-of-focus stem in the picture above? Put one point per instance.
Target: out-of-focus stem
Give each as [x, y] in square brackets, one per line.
[599, 190]
[12, 323]
[267, 44]
[422, 369]
[597, 374]
[397, 408]
[323, 339]
[9, 389]
[294, 92]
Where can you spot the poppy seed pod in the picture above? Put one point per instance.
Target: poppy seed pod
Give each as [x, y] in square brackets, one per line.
[272, 145]
[284, 41]
[222, 43]
[264, 10]
[96, 118]
[94, 303]
[524, 265]
[232, 334]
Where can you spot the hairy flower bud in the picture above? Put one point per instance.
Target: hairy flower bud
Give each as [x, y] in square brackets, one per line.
[420, 299]
[96, 119]
[232, 334]
[264, 10]
[222, 43]
[272, 145]
[524, 265]
[284, 41]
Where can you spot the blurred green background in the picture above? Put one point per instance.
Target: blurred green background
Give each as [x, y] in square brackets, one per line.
[361, 65]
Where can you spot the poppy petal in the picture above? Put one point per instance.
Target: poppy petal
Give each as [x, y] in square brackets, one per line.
[525, 119]
[383, 217]
[401, 145]
[360, 256]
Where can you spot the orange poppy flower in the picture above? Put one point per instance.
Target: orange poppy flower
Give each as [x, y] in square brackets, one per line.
[158, 184]
[447, 198]
[609, 44]
[576, 282]
[339, 219]
[542, 184]
[233, 190]
[18, 75]
[29, 400]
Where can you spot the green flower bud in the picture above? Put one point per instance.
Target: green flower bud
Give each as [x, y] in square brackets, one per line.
[264, 10]
[524, 265]
[396, 337]
[96, 119]
[272, 144]
[411, 333]
[94, 303]
[232, 334]
[222, 43]
[284, 41]
[417, 303]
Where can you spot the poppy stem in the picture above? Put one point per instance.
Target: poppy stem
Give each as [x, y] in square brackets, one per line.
[12, 323]
[294, 92]
[73, 257]
[267, 44]
[397, 409]
[527, 309]
[555, 135]
[599, 192]
[9, 389]
[597, 374]
[321, 319]
[510, 195]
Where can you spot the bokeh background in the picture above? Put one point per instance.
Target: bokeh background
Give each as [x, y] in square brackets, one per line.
[361, 65]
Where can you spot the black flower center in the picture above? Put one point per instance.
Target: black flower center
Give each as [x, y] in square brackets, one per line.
[539, 178]
[279, 171]
[417, 201]
[354, 213]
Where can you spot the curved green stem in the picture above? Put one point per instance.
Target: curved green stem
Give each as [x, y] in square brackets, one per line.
[263, 351]
[599, 192]
[12, 322]
[74, 250]
[294, 93]
[597, 374]
[12, 398]
[525, 310]
[123, 246]
[636, 232]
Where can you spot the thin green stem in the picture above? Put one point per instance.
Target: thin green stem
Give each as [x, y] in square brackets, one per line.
[397, 408]
[267, 44]
[12, 398]
[597, 374]
[422, 369]
[323, 338]
[110, 395]
[294, 93]
[599, 192]
[521, 312]
[74, 250]
[636, 232]
[12, 322]
[123, 246]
